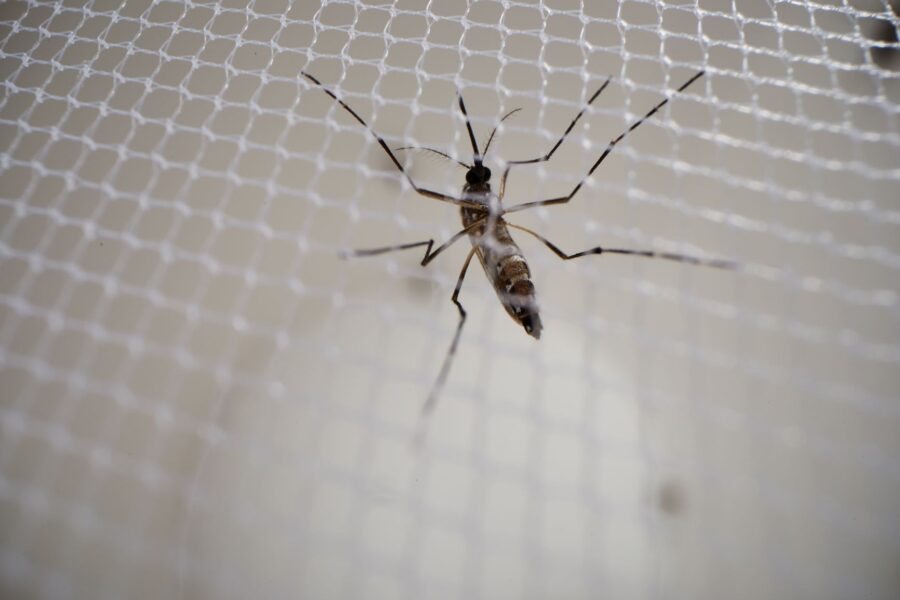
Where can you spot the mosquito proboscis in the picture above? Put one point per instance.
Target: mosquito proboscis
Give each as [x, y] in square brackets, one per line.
[483, 219]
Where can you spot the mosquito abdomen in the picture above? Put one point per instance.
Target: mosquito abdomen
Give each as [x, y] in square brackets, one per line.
[505, 267]
[519, 299]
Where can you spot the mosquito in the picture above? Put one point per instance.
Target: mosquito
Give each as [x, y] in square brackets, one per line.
[483, 219]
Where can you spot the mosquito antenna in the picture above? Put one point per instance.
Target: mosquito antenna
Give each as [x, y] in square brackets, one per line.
[491, 139]
[462, 107]
[438, 152]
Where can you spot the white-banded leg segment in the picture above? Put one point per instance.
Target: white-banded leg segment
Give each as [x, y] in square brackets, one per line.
[562, 138]
[609, 148]
[420, 190]
[429, 255]
[451, 352]
[684, 258]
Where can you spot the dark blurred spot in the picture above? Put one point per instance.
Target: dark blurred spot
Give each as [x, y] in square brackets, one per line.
[672, 499]
[423, 286]
[887, 53]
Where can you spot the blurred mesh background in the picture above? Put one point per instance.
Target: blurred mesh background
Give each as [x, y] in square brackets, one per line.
[199, 399]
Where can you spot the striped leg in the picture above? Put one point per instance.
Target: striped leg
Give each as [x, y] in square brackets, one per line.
[451, 352]
[547, 156]
[693, 260]
[609, 149]
[429, 255]
[424, 192]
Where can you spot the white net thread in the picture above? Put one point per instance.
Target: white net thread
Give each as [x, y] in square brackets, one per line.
[200, 399]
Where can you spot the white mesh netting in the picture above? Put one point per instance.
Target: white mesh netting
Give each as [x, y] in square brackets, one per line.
[199, 399]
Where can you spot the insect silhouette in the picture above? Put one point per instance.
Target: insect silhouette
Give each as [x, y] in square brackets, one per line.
[483, 219]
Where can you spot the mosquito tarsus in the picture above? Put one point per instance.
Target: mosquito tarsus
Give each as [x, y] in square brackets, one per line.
[483, 218]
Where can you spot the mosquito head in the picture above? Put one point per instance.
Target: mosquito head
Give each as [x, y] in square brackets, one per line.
[478, 175]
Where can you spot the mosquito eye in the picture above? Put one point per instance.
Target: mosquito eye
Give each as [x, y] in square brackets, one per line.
[471, 177]
[487, 174]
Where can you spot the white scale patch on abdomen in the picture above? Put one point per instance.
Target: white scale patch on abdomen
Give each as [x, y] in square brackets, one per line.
[509, 265]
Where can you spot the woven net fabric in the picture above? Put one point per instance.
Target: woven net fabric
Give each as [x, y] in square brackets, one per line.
[200, 399]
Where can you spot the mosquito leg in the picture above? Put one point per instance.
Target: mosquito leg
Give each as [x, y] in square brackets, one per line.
[424, 192]
[429, 255]
[451, 352]
[567, 131]
[693, 260]
[609, 148]
[384, 250]
[547, 156]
